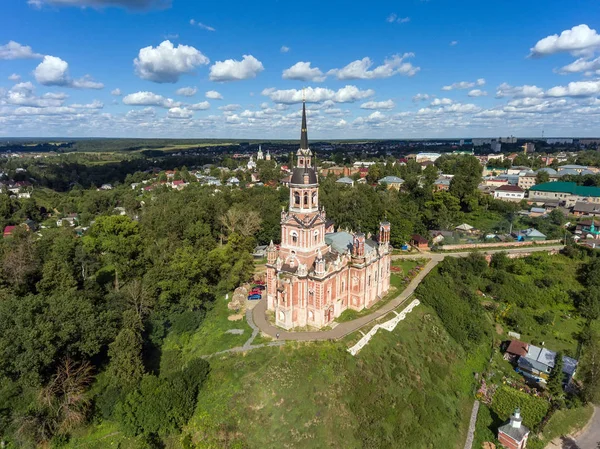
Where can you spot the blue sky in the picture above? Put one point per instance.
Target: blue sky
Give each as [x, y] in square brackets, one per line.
[437, 68]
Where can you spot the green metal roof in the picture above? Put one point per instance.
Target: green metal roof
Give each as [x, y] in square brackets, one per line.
[567, 187]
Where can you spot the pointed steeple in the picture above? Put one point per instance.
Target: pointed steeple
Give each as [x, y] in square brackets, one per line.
[303, 132]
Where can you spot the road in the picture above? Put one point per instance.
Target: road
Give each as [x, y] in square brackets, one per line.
[343, 329]
[586, 438]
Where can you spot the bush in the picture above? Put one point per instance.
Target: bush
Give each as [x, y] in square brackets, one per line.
[533, 409]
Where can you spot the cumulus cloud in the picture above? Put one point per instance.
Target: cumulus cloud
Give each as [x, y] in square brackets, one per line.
[284, 49]
[96, 104]
[166, 63]
[213, 95]
[127, 4]
[233, 70]
[347, 94]
[421, 97]
[588, 66]
[453, 43]
[22, 94]
[202, 106]
[201, 25]
[179, 113]
[506, 90]
[576, 89]
[441, 101]
[477, 93]
[14, 50]
[304, 72]
[579, 40]
[53, 71]
[387, 104]
[455, 108]
[149, 99]
[186, 91]
[393, 18]
[230, 107]
[14, 77]
[116, 92]
[359, 69]
[465, 84]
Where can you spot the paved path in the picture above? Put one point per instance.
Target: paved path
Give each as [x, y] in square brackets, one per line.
[343, 329]
[586, 438]
[472, 422]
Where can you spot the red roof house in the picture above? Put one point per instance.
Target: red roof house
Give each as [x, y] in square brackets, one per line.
[8, 230]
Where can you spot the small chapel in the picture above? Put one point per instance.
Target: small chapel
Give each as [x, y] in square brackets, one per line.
[317, 273]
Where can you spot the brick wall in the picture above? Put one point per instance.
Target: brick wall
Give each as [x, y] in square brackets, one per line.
[495, 245]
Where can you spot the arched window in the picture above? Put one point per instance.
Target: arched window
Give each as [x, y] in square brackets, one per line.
[296, 198]
[294, 235]
[301, 162]
[316, 236]
[305, 198]
[314, 198]
[343, 286]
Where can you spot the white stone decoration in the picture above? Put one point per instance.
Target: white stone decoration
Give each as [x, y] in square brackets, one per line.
[388, 326]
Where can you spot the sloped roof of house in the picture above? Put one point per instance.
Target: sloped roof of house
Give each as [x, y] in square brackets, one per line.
[391, 180]
[465, 227]
[345, 180]
[548, 170]
[517, 347]
[516, 433]
[509, 188]
[532, 232]
[419, 239]
[584, 206]
[566, 187]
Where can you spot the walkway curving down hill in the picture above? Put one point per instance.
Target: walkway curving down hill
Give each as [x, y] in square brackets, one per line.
[343, 329]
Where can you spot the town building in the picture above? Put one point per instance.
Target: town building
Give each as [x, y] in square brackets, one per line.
[509, 193]
[317, 274]
[538, 363]
[260, 156]
[392, 182]
[567, 193]
[422, 157]
[584, 209]
[346, 181]
[513, 434]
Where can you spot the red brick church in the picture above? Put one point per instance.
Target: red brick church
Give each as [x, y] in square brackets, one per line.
[317, 273]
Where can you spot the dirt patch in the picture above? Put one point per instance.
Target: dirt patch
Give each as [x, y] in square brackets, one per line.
[499, 329]
[236, 317]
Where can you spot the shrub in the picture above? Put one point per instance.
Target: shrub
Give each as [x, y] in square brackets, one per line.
[533, 409]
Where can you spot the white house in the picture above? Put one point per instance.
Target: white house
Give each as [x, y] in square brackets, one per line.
[509, 193]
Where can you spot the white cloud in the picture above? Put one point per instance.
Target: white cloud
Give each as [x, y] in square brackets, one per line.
[393, 18]
[455, 108]
[477, 93]
[116, 92]
[96, 104]
[581, 65]
[441, 101]
[14, 50]
[232, 70]
[506, 90]
[347, 94]
[166, 63]
[304, 72]
[213, 95]
[465, 84]
[421, 97]
[202, 106]
[230, 107]
[187, 91]
[14, 77]
[128, 4]
[359, 69]
[579, 40]
[453, 43]
[284, 49]
[53, 71]
[576, 89]
[149, 99]
[387, 104]
[179, 113]
[341, 123]
[201, 25]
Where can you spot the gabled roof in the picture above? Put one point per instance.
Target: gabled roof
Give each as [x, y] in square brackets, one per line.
[517, 347]
[465, 227]
[509, 188]
[391, 180]
[345, 180]
[548, 170]
[531, 232]
[583, 206]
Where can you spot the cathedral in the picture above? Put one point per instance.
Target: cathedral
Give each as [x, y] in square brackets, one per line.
[317, 273]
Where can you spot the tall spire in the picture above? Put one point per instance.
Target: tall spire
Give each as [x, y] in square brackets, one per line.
[303, 132]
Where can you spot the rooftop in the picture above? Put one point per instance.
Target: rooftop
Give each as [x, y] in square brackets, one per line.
[509, 188]
[567, 187]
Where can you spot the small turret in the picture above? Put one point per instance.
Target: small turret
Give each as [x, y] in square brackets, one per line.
[271, 253]
[384, 232]
[358, 247]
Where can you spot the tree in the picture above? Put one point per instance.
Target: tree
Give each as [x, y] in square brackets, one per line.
[556, 377]
[589, 370]
[126, 367]
[237, 220]
[464, 183]
[590, 303]
[541, 177]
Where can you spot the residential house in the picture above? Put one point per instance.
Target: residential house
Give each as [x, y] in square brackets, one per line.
[438, 236]
[442, 184]
[106, 187]
[537, 364]
[515, 350]
[179, 184]
[527, 179]
[70, 219]
[233, 181]
[530, 235]
[419, 242]
[465, 228]
[392, 182]
[585, 209]
[260, 252]
[509, 193]
[513, 434]
[346, 181]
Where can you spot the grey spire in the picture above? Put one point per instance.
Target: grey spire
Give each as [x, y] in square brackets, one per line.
[303, 132]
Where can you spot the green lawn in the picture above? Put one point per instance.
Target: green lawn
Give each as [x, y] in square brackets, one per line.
[410, 385]
[211, 336]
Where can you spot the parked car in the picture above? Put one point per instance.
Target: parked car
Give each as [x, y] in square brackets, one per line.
[258, 287]
[259, 282]
[254, 297]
